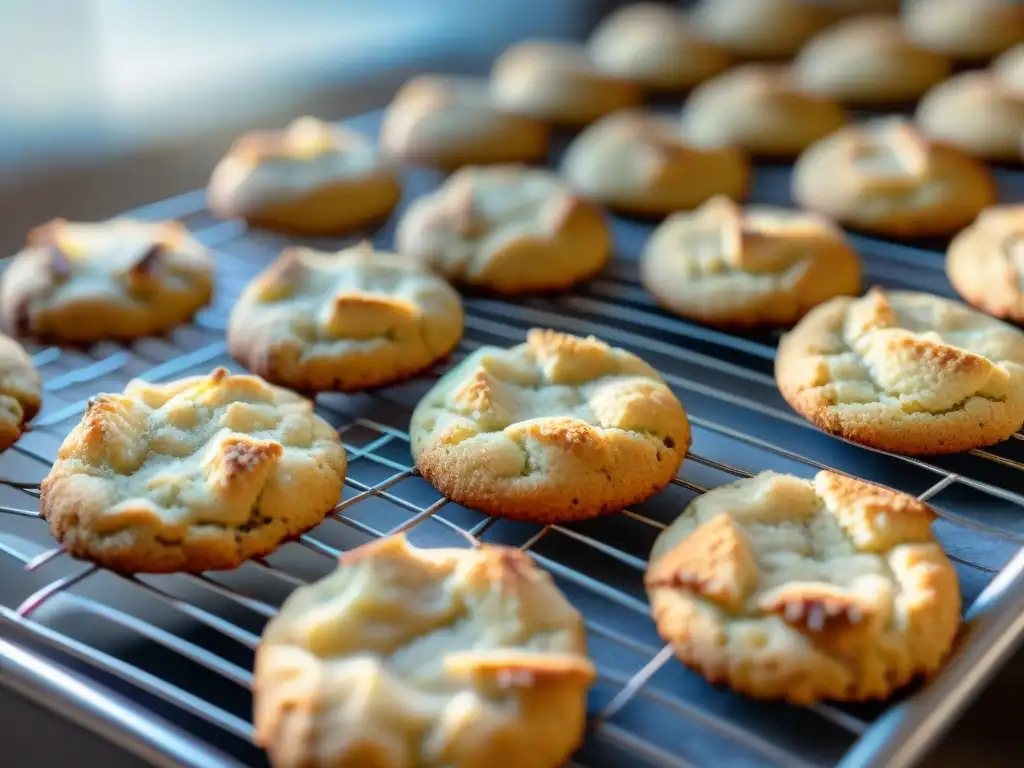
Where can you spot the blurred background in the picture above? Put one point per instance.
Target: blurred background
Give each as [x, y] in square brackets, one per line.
[106, 105]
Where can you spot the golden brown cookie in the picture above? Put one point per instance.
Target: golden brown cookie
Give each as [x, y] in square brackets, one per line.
[985, 262]
[784, 588]
[656, 47]
[509, 229]
[343, 321]
[762, 265]
[905, 372]
[557, 82]
[451, 121]
[21, 391]
[868, 61]
[758, 108]
[965, 29]
[637, 162]
[197, 474]
[560, 428]
[975, 112]
[435, 658]
[760, 29]
[885, 176]
[311, 178]
[117, 279]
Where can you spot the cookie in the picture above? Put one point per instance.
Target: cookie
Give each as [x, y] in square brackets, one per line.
[344, 321]
[905, 372]
[656, 47]
[557, 82]
[557, 429]
[760, 29]
[985, 262]
[117, 279]
[21, 391]
[197, 474]
[1008, 70]
[885, 176]
[452, 121]
[758, 108]
[435, 658]
[638, 163]
[868, 61]
[975, 112]
[803, 590]
[965, 29]
[509, 229]
[311, 178]
[763, 265]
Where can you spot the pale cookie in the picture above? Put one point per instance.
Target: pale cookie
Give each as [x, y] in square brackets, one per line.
[763, 265]
[21, 391]
[758, 108]
[344, 321]
[885, 176]
[965, 29]
[556, 82]
[434, 658]
[560, 428]
[760, 29]
[868, 61]
[117, 279]
[637, 162]
[311, 178]
[656, 47]
[198, 474]
[975, 112]
[1008, 69]
[905, 372]
[510, 229]
[452, 121]
[784, 588]
[985, 262]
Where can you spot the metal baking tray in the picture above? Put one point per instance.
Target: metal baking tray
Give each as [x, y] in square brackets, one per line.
[162, 664]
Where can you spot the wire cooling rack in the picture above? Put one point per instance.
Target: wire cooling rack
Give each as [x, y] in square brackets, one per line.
[162, 664]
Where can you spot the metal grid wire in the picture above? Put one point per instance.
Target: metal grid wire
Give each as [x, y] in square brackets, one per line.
[645, 708]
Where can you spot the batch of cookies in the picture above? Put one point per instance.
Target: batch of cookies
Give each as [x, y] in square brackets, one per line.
[779, 587]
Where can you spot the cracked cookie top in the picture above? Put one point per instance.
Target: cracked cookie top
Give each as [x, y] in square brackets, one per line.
[906, 372]
[121, 278]
[348, 320]
[507, 228]
[427, 657]
[556, 429]
[201, 473]
[829, 588]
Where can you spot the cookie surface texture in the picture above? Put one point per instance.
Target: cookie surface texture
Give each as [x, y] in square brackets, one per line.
[508, 229]
[558, 83]
[868, 61]
[311, 178]
[905, 372]
[117, 279]
[976, 112]
[885, 176]
[638, 163]
[985, 262]
[198, 474]
[453, 658]
[723, 265]
[559, 428]
[656, 47]
[21, 391]
[343, 321]
[785, 588]
[453, 121]
[758, 108]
